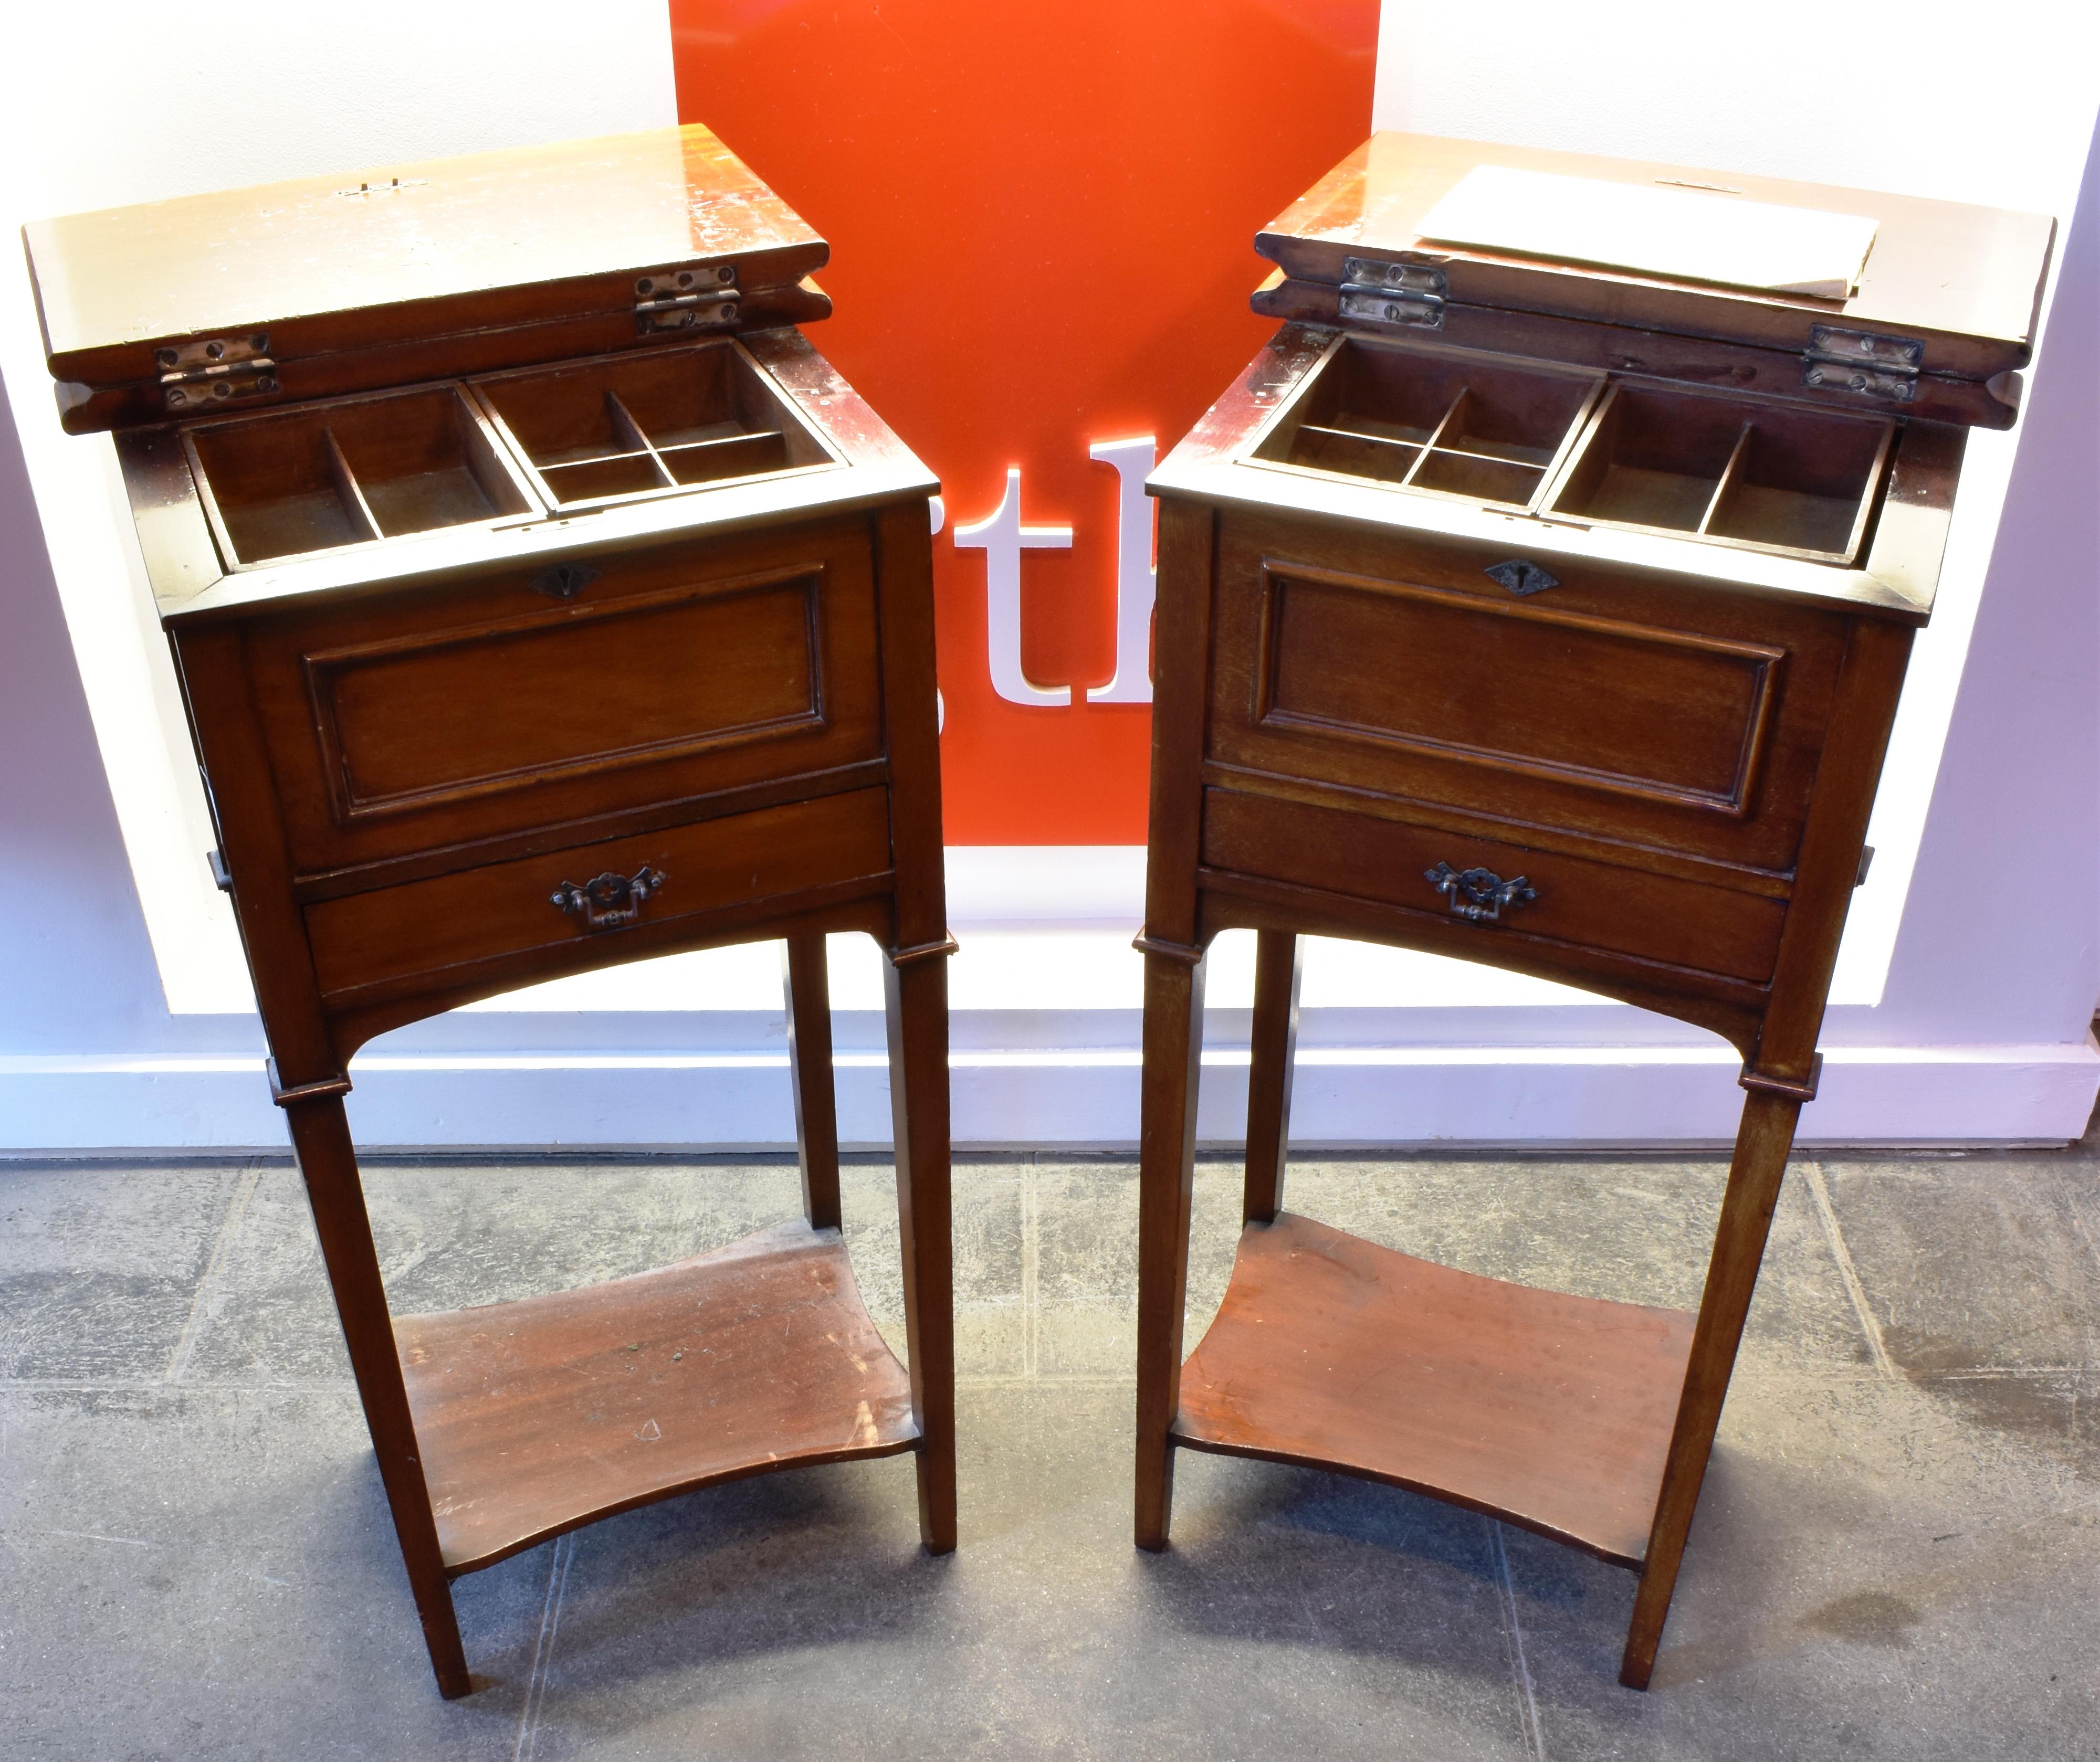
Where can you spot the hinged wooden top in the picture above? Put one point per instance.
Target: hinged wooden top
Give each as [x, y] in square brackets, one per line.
[1961, 283]
[328, 284]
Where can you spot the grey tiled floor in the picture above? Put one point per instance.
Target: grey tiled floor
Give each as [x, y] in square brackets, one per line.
[1895, 1555]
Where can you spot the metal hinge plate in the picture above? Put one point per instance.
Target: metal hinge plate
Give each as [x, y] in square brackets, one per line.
[686, 299]
[209, 370]
[1856, 360]
[1410, 294]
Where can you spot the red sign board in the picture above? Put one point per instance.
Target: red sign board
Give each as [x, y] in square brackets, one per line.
[1041, 222]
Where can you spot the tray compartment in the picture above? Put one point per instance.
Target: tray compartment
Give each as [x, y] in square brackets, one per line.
[293, 483]
[425, 462]
[1652, 459]
[1766, 478]
[649, 425]
[1438, 422]
[604, 478]
[1802, 483]
[1450, 473]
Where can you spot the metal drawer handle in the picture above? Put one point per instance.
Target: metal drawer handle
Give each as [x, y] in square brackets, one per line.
[1478, 895]
[610, 900]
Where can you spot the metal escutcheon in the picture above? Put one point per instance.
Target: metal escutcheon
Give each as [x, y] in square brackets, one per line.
[564, 581]
[610, 899]
[1522, 577]
[1478, 895]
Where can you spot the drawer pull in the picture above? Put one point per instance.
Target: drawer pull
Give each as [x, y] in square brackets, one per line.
[610, 900]
[1478, 895]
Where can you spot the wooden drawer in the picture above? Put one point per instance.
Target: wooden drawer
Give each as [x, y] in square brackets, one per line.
[435, 715]
[1677, 715]
[432, 929]
[1587, 904]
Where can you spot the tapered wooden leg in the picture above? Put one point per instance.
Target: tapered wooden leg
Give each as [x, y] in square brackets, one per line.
[1278, 964]
[805, 978]
[1762, 1142]
[916, 998]
[321, 1136]
[1166, 1161]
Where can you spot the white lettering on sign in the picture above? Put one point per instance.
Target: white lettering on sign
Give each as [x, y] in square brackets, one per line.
[1136, 581]
[1002, 538]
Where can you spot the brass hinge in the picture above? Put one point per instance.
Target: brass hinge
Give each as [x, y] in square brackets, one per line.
[686, 299]
[209, 370]
[1375, 293]
[1856, 360]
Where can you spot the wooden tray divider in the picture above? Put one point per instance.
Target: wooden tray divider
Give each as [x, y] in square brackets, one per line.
[1802, 435]
[1328, 429]
[1437, 435]
[1409, 451]
[747, 438]
[347, 488]
[1729, 472]
[657, 437]
[1870, 494]
[630, 432]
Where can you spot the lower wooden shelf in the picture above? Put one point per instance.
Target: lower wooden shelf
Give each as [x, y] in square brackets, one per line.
[535, 1416]
[1552, 1411]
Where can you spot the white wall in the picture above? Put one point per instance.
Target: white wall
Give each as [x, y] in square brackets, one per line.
[214, 96]
[1684, 84]
[124, 1020]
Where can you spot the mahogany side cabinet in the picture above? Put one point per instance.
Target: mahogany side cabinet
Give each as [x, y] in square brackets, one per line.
[1540, 595]
[541, 600]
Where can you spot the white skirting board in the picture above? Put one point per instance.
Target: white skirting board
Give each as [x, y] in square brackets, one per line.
[1051, 1100]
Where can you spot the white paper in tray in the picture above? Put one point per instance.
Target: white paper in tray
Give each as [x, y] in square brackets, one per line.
[1678, 234]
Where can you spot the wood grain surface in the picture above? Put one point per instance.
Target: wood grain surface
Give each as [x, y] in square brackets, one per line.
[439, 716]
[1551, 1410]
[1966, 279]
[1216, 463]
[1694, 360]
[537, 1415]
[424, 929]
[1647, 713]
[1434, 617]
[350, 260]
[444, 724]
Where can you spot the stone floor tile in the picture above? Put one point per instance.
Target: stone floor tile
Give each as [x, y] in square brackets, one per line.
[194, 1574]
[793, 1618]
[1893, 1557]
[987, 1234]
[100, 1266]
[1969, 1265]
[1868, 1575]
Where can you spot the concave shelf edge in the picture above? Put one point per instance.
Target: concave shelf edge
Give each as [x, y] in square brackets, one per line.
[1550, 1411]
[537, 1416]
